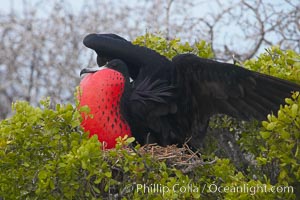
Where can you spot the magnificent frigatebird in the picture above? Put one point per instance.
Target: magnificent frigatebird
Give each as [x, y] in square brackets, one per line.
[169, 101]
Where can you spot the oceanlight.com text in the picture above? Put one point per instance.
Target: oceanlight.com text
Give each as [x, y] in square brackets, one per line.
[211, 188]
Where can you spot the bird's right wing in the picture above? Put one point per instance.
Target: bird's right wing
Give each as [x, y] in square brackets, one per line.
[208, 87]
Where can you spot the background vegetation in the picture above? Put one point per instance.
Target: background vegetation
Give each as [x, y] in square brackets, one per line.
[44, 154]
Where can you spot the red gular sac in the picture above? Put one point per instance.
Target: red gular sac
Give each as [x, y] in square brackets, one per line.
[101, 92]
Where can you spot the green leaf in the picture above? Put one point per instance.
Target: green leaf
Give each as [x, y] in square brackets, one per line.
[26, 164]
[294, 110]
[265, 134]
[271, 126]
[285, 135]
[42, 175]
[130, 140]
[96, 189]
[108, 174]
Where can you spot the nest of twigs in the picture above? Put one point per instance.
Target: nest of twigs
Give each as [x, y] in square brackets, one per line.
[182, 158]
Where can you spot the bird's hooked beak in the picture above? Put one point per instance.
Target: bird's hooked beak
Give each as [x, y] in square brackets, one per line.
[92, 69]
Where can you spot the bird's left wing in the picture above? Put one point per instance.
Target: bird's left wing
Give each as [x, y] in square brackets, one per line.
[208, 87]
[142, 62]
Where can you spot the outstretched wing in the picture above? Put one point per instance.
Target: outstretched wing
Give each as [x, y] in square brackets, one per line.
[141, 61]
[208, 87]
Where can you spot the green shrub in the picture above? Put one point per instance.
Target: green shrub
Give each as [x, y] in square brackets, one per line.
[275, 62]
[171, 48]
[45, 155]
[281, 135]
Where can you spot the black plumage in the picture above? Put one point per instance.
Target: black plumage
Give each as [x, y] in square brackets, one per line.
[171, 101]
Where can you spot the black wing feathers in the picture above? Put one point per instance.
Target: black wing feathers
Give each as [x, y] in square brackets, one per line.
[207, 87]
[229, 89]
[156, 91]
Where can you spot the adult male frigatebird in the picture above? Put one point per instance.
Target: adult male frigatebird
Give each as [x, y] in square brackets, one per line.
[169, 101]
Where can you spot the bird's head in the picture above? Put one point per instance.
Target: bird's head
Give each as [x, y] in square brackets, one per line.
[115, 64]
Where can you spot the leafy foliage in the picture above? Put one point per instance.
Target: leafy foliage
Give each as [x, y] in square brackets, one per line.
[44, 154]
[282, 142]
[171, 48]
[282, 64]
